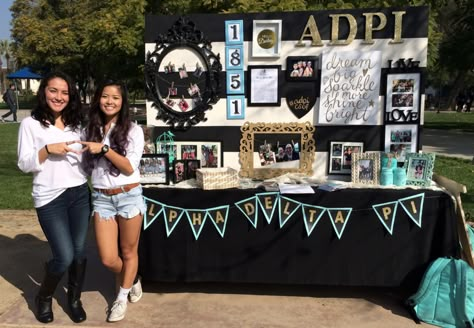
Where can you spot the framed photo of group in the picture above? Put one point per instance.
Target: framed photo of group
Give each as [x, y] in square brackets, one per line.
[401, 139]
[402, 98]
[301, 68]
[154, 169]
[185, 169]
[340, 153]
[208, 153]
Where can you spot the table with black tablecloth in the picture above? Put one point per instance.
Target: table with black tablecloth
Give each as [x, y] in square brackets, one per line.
[366, 254]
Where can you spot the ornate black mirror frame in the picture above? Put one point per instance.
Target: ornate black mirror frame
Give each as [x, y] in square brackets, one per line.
[183, 35]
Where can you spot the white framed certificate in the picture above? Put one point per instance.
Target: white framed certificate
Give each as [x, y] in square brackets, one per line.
[264, 85]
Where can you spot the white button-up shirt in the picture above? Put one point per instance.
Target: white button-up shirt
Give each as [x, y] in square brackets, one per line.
[101, 177]
[57, 173]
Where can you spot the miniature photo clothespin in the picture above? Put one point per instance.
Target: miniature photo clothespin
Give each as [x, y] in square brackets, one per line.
[172, 91]
[198, 71]
[182, 72]
[183, 105]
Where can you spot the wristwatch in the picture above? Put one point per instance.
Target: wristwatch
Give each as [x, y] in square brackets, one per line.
[105, 149]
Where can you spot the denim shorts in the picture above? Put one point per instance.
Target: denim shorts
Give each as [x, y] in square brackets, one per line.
[127, 204]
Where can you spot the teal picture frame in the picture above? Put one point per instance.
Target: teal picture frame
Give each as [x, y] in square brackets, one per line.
[419, 167]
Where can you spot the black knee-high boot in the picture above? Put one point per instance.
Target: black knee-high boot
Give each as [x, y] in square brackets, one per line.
[77, 272]
[44, 310]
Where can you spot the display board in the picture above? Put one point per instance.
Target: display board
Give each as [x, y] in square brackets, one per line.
[355, 75]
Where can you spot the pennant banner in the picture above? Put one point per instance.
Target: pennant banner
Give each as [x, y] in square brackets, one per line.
[386, 213]
[196, 220]
[311, 216]
[286, 208]
[249, 208]
[339, 218]
[413, 206]
[268, 203]
[153, 210]
[172, 215]
[218, 216]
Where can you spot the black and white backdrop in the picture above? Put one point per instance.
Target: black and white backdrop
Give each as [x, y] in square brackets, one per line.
[349, 76]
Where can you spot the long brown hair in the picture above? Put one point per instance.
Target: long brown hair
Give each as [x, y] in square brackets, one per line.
[71, 115]
[96, 127]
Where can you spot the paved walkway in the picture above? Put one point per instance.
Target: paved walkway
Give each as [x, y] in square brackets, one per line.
[21, 114]
[453, 143]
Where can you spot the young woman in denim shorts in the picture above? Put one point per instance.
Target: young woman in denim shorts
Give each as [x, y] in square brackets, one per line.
[114, 149]
[47, 148]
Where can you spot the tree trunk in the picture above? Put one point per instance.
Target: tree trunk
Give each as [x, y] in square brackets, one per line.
[458, 85]
[3, 86]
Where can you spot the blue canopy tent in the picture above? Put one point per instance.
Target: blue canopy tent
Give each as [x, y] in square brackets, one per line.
[23, 74]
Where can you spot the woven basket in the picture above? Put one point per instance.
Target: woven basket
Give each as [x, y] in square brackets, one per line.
[217, 178]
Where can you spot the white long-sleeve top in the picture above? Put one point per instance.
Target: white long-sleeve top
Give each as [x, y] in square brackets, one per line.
[101, 177]
[57, 173]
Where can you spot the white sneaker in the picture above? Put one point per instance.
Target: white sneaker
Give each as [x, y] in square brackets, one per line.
[117, 311]
[136, 292]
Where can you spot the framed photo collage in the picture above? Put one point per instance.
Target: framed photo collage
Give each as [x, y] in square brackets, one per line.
[402, 114]
[176, 161]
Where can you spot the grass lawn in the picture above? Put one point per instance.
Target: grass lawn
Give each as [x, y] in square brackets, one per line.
[449, 121]
[462, 171]
[16, 191]
[16, 185]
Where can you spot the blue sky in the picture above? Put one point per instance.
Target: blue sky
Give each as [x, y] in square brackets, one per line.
[5, 20]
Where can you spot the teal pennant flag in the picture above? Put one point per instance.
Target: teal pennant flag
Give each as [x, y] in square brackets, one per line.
[153, 210]
[287, 207]
[196, 220]
[339, 218]
[268, 203]
[413, 206]
[386, 212]
[218, 216]
[311, 215]
[172, 216]
[249, 208]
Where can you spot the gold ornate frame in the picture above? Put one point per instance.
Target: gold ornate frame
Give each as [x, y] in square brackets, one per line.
[307, 151]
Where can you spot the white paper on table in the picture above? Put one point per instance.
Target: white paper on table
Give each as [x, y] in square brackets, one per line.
[295, 189]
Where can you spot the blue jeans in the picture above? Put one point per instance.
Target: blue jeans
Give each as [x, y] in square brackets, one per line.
[127, 204]
[65, 222]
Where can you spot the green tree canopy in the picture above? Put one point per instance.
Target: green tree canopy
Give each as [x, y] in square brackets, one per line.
[89, 39]
[93, 39]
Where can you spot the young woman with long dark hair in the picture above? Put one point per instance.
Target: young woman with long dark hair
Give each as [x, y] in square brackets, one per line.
[114, 149]
[47, 148]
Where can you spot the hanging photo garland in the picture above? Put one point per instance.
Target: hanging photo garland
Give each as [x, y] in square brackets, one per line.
[163, 81]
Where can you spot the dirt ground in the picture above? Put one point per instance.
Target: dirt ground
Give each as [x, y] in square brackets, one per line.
[20, 237]
[24, 249]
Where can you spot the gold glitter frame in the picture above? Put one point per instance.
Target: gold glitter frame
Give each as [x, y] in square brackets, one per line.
[247, 146]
